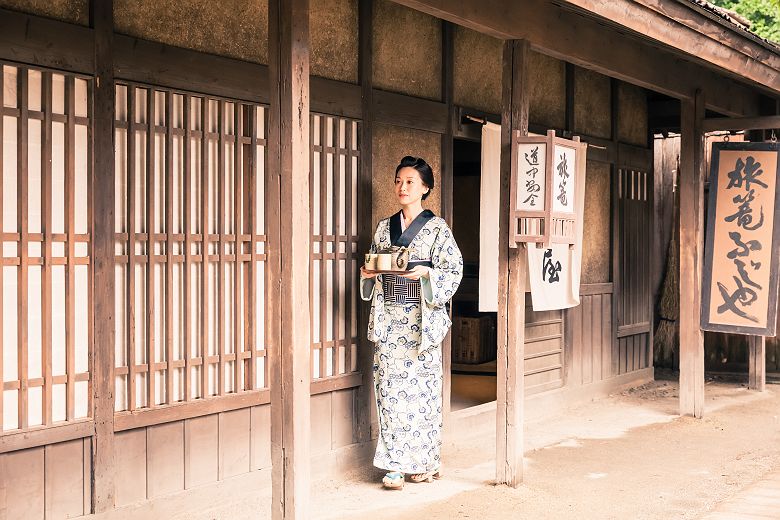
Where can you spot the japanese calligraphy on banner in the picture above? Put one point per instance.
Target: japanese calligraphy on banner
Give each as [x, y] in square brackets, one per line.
[531, 160]
[553, 274]
[740, 281]
[563, 179]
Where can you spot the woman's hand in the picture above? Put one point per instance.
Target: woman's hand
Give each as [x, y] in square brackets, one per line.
[417, 272]
[366, 274]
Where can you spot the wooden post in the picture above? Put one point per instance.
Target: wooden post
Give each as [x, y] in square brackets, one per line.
[102, 21]
[757, 363]
[512, 269]
[366, 405]
[447, 209]
[288, 38]
[691, 255]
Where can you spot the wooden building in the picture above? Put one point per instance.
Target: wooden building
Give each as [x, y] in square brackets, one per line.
[188, 188]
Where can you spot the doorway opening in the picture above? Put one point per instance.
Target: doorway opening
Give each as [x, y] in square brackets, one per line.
[473, 332]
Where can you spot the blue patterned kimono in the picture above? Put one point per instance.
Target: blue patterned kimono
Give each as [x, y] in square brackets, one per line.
[407, 353]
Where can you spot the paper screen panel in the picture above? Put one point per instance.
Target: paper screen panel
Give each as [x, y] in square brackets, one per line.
[334, 268]
[46, 282]
[190, 246]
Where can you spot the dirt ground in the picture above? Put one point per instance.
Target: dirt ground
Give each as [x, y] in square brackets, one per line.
[628, 456]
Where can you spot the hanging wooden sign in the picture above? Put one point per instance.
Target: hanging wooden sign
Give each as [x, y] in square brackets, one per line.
[740, 279]
[545, 173]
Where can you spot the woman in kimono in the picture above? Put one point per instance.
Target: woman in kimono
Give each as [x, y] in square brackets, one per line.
[408, 322]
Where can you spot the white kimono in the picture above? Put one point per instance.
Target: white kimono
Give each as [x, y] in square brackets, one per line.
[407, 354]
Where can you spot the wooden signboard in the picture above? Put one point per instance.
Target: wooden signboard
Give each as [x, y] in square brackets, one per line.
[743, 235]
[545, 173]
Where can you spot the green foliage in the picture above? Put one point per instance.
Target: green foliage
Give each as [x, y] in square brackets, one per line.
[764, 15]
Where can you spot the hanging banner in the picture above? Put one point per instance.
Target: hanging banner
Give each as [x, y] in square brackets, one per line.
[739, 283]
[551, 274]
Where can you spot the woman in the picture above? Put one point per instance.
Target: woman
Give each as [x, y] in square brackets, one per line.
[408, 322]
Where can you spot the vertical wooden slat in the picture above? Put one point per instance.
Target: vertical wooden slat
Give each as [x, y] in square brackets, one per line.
[335, 269]
[324, 282]
[596, 339]
[102, 204]
[691, 255]
[513, 269]
[2, 243]
[131, 256]
[187, 229]
[238, 232]
[251, 282]
[204, 249]
[168, 228]
[316, 239]
[221, 230]
[21, 212]
[46, 225]
[349, 271]
[289, 159]
[606, 336]
[70, 294]
[586, 357]
[151, 362]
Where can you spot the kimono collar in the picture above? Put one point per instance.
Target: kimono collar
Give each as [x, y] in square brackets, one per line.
[404, 239]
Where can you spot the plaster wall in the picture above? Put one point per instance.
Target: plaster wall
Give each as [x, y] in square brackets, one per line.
[73, 11]
[592, 104]
[547, 91]
[333, 33]
[236, 28]
[632, 114]
[406, 51]
[596, 247]
[477, 70]
[390, 144]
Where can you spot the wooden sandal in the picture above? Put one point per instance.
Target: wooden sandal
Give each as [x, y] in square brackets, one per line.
[393, 480]
[425, 477]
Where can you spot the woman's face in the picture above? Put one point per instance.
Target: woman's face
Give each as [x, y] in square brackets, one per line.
[409, 187]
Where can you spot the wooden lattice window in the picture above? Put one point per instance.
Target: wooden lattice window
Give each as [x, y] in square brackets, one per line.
[334, 256]
[46, 283]
[190, 257]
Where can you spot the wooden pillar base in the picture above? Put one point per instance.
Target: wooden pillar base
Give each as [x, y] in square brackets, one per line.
[757, 363]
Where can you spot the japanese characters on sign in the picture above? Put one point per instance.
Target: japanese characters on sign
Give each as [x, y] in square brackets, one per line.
[563, 175]
[740, 276]
[531, 164]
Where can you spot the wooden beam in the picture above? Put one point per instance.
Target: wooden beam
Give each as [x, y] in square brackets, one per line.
[686, 28]
[288, 37]
[512, 268]
[409, 112]
[757, 363]
[583, 41]
[366, 405]
[102, 21]
[32, 39]
[741, 123]
[691, 256]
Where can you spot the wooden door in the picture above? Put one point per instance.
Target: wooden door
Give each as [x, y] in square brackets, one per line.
[633, 225]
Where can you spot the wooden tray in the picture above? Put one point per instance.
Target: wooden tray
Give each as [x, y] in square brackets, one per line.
[386, 271]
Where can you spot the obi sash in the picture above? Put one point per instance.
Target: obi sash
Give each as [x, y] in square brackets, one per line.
[399, 290]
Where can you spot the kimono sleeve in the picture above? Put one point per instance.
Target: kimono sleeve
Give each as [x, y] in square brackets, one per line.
[367, 285]
[445, 275]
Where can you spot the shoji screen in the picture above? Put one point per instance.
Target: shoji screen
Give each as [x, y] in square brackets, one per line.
[190, 240]
[45, 287]
[334, 257]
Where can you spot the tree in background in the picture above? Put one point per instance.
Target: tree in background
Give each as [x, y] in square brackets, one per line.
[763, 15]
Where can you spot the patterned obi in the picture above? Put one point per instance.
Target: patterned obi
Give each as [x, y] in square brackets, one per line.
[402, 291]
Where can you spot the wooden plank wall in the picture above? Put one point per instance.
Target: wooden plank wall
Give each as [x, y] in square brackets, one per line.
[590, 336]
[544, 335]
[633, 349]
[50, 481]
